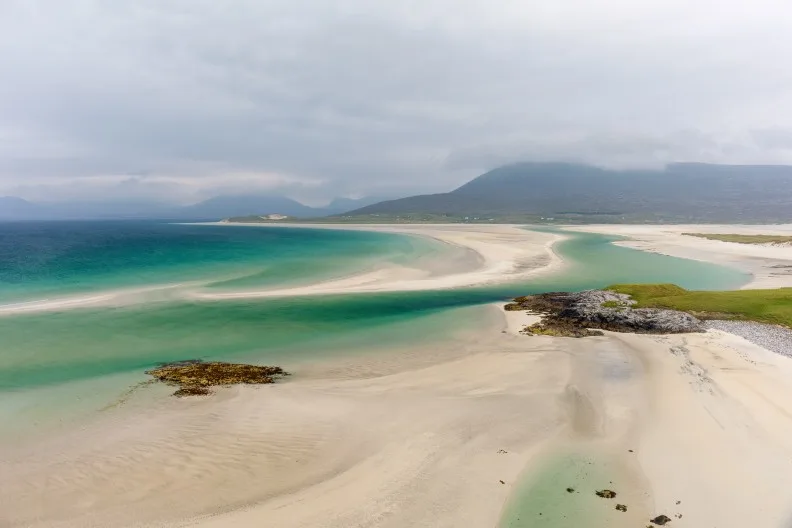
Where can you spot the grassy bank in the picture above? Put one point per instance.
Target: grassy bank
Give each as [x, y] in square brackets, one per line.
[765, 306]
[745, 239]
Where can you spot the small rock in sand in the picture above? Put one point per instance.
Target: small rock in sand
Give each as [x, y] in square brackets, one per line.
[661, 520]
[606, 494]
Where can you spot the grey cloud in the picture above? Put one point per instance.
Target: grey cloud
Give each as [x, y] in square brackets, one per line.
[611, 149]
[774, 138]
[367, 97]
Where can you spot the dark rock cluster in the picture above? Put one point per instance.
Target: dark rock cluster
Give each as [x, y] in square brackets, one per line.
[661, 520]
[606, 494]
[576, 314]
[194, 377]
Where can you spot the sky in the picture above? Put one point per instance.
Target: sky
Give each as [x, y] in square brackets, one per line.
[179, 100]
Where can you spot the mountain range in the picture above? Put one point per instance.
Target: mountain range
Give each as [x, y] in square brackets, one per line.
[14, 208]
[678, 193]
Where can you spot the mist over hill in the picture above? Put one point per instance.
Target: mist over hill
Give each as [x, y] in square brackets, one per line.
[680, 192]
[12, 207]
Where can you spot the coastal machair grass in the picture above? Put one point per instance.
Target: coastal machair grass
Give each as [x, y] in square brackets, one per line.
[744, 239]
[772, 306]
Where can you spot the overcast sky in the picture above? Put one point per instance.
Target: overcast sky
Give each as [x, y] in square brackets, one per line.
[183, 99]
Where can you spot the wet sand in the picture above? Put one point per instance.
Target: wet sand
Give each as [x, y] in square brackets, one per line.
[427, 442]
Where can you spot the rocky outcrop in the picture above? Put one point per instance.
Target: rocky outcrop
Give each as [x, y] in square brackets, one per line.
[195, 377]
[576, 314]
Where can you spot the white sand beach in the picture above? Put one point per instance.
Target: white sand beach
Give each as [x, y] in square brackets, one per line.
[692, 425]
[697, 427]
[770, 266]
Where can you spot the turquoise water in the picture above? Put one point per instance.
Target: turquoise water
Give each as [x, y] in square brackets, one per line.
[42, 349]
[60, 369]
[45, 259]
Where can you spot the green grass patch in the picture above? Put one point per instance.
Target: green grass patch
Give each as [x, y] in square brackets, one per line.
[764, 306]
[612, 304]
[745, 239]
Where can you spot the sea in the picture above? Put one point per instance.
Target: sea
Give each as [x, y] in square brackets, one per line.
[62, 365]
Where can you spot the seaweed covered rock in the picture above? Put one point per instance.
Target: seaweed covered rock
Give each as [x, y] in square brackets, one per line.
[192, 391]
[661, 520]
[194, 377]
[575, 314]
[559, 327]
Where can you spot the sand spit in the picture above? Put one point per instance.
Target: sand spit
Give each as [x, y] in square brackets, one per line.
[770, 265]
[495, 253]
[477, 255]
[674, 424]
[110, 298]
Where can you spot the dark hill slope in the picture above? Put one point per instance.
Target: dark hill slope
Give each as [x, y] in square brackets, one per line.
[685, 191]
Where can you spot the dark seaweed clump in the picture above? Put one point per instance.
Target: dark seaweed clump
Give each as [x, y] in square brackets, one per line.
[195, 377]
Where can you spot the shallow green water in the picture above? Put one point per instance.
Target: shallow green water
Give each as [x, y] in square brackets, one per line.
[561, 493]
[50, 393]
[45, 348]
[56, 366]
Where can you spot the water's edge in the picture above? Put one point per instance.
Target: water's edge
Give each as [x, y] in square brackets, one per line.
[85, 348]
